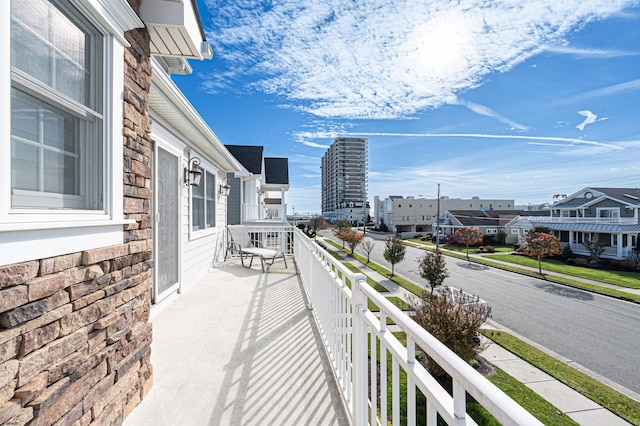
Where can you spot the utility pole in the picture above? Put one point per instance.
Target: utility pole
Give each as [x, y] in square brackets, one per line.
[364, 218]
[438, 222]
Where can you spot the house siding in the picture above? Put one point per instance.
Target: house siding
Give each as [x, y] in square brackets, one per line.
[74, 331]
[234, 201]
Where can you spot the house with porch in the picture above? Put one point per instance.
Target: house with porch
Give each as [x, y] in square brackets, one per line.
[258, 191]
[489, 222]
[611, 214]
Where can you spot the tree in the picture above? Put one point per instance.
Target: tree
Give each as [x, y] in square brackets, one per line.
[595, 247]
[433, 268]
[468, 236]
[454, 323]
[367, 247]
[316, 224]
[339, 229]
[394, 250]
[352, 238]
[541, 244]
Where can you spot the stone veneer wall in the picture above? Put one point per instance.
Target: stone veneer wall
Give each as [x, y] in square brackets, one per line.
[74, 332]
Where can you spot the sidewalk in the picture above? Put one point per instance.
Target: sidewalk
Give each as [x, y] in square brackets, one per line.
[566, 400]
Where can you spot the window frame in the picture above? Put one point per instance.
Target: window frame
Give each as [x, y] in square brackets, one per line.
[35, 233]
[208, 169]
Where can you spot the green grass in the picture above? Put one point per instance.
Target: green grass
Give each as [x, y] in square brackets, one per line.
[598, 392]
[399, 303]
[531, 401]
[406, 284]
[378, 287]
[619, 278]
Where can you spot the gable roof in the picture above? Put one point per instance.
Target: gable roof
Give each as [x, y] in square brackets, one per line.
[250, 156]
[629, 196]
[485, 217]
[276, 170]
[626, 195]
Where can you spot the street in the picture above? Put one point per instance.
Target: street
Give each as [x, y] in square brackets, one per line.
[597, 332]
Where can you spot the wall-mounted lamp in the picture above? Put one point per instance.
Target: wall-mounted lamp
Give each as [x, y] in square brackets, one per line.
[225, 188]
[193, 173]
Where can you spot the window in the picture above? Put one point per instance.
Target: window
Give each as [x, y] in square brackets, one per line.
[203, 203]
[61, 111]
[609, 213]
[57, 148]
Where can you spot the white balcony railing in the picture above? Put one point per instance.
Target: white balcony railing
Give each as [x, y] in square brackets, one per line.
[345, 323]
[603, 220]
[264, 212]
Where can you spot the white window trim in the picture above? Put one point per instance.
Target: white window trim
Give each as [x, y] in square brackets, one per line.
[28, 234]
[610, 210]
[207, 166]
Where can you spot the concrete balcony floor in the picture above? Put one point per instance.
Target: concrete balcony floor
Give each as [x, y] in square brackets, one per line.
[239, 348]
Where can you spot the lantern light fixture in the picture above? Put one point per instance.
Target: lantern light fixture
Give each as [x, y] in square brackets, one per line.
[193, 173]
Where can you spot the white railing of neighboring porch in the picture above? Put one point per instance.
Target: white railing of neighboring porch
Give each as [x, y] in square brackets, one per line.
[269, 212]
[345, 324]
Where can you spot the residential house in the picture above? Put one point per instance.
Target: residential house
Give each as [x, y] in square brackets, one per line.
[611, 214]
[490, 222]
[99, 216]
[258, 191]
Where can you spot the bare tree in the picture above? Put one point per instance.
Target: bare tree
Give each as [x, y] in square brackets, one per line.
[367, 247]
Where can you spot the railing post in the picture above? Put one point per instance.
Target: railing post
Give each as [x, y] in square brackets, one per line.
[359, 355]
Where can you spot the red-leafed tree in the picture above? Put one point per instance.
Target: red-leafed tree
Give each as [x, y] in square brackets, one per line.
[352, 238]
[541, 244]
[468, 237]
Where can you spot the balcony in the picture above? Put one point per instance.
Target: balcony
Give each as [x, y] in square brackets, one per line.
[601, 220]
[246, 347]
[264, 213]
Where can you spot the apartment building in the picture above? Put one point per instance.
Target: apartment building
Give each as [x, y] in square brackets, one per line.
[412, 214]
[344, 180]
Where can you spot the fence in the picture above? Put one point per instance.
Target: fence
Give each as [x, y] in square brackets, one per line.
[363, 353]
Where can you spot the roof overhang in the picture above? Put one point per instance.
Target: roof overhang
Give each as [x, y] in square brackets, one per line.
[175, 29]
[168, 105]
[274, 187]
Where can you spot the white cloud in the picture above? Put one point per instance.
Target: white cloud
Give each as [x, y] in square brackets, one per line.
[588, 53]
[338, 58]
[488, 112]
[590, 119]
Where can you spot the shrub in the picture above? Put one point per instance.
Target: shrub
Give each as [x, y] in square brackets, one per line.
[474, 363]
[490, 249]
[580, 261]
[455, 324]
[488, 239]
[567, 253]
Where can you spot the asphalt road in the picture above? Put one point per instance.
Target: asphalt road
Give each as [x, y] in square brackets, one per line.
[598, 332]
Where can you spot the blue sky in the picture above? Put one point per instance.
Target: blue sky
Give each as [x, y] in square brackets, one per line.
[515, 99]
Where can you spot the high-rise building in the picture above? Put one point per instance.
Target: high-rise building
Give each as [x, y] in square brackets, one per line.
[344, 180]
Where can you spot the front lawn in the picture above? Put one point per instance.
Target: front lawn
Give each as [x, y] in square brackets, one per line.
[593, 389]
[620, 278]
